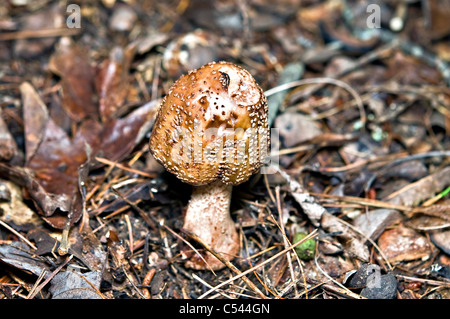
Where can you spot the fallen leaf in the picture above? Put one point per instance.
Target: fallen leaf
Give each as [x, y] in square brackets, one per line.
[406, 69]
[354, 245]
[332, 266]
[15, 211]
[8, 147]
[71, 63]
[425, 188]
[53, 159]
[121, 135]
[403, 244]
[425, 223]
[35, 115]
[374, 222]
[441, 239]
[296, 128]
[88, 248]
[112, 81]
[46, 203]
[44, 242]
[18, 255]
[75, 285]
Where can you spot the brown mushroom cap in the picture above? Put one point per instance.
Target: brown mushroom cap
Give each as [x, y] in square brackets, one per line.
[212, 125]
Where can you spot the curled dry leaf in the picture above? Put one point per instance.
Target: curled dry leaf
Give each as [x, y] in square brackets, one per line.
[45, 202]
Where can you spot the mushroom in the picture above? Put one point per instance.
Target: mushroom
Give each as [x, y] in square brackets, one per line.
[212, 132]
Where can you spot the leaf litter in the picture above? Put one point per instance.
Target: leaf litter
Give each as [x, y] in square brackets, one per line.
[364, 123]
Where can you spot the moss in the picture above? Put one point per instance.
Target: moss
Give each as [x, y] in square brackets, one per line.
[305, 250]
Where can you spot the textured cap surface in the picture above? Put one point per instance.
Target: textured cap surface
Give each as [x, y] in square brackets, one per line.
[212, 125]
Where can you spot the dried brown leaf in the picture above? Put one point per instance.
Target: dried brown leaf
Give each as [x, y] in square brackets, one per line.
[35, 117]
[8, 147]
[403, 244]
[53, 159]
[112, 81]
[71, 63]
[425, 188]
[120, 135]
[19, 256]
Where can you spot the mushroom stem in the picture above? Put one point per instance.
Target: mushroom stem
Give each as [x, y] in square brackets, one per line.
[208, 217]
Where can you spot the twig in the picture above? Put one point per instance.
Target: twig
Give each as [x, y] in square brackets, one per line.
[332, 81]
[311, 235]
[153, 224]
[12, 230]
[36, 284]
[285, 239]
[209, 286]
[226, 262]
[132, 283]
[344, 290]
[130, 232]
[45, 33]
[364, 201]
[92, 285]
[63, 248]
[427, 281]
[118, 165]
[146, 282]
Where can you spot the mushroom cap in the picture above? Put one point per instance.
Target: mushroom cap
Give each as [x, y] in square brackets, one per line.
[212, 125]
